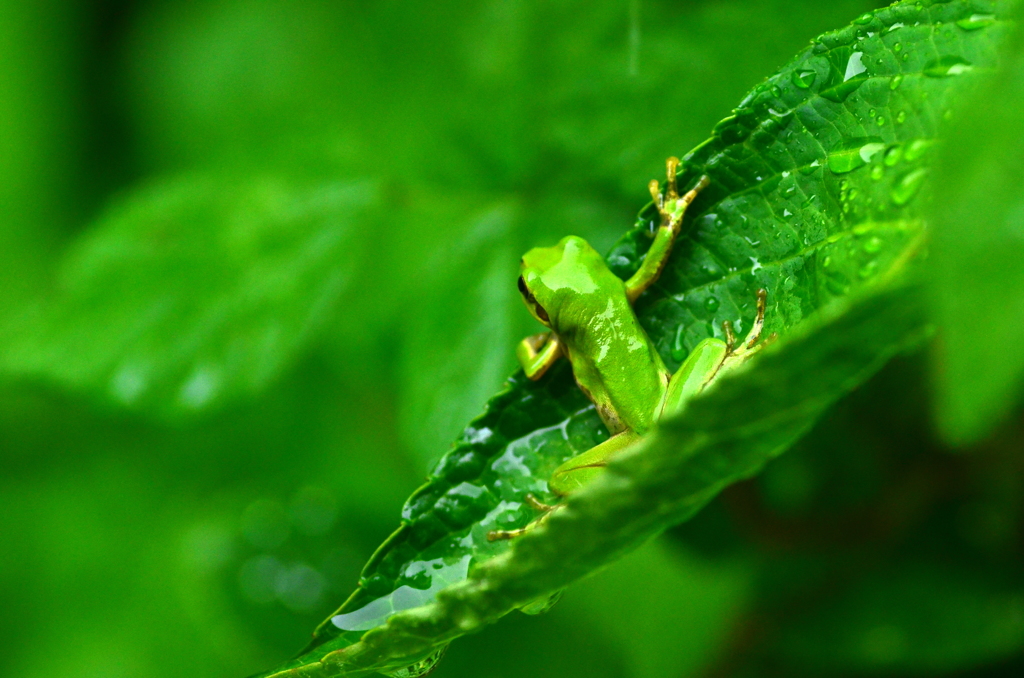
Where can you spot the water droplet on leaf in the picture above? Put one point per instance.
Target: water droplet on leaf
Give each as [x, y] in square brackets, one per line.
[837, 283]
[804, 79]
[810, 169]
[893, 156]
[854, 154]
[711, 304]
[542, 605]
[976, 21]
[907, 188]
[947, 66]
[868, 270]
[420, 668]
[917, 148]
[845, 76]
[679, 351]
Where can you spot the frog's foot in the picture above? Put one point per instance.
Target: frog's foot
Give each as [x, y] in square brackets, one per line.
[534, 503]
[538, 505]
[670, 205]
[752, 344]
[671, 189]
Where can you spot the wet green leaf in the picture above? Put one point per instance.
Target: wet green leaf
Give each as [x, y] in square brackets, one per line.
[723, 437]
[816, 194]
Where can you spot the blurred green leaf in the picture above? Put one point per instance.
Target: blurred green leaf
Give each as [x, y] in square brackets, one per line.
[117, 519]
[667, 610]
[237, 84]
[453, 359]
[488, 94]
[978, 246]
[37, 59]
[814, 195]
[913, 619]
[196, 290]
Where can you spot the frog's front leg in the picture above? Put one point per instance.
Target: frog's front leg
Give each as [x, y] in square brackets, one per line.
[537, 353]
[671, 207]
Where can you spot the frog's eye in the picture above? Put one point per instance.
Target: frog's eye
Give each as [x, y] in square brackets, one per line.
[523, 289]
[532, 301]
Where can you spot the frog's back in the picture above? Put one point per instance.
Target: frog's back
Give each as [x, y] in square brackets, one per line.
[614, 361]
[585, 304]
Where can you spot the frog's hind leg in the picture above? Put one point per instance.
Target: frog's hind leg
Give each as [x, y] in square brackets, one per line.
[569, 477]
[711, 357]
[534, 503]
[581, 469]
[753, 343]
[754, 336]
[696, 372]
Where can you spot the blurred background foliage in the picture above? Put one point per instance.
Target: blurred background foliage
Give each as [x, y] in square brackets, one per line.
[258, 264]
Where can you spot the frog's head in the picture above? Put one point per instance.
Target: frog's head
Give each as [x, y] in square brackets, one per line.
[553, 278]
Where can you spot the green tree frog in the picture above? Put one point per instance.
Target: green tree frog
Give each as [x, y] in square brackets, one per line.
[589, 312]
